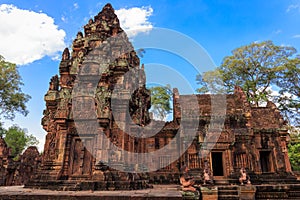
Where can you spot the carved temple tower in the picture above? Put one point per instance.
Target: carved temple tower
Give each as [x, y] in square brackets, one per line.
[82, 93]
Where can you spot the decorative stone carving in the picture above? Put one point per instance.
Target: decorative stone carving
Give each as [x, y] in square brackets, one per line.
[28, 165]
[207, 177]
[103, 96]
[54, 84]
[66, 55]
[20, 171]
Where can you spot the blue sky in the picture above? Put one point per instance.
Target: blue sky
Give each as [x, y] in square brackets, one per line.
[218, 26]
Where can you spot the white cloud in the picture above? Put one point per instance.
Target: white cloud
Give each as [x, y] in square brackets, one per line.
[76, 6]
[278, 31]
[296, 36]
[293, 7]
[135, 20]
[63, 18]
[27, 36]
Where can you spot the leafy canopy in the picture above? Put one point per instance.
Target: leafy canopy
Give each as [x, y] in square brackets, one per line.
[12, 99]
[294, 149]
[289, 94]
[161, 97]
[256, 68]
[18, 139]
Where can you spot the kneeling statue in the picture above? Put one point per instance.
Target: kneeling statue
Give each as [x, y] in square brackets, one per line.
[207, 179]
[244, 178]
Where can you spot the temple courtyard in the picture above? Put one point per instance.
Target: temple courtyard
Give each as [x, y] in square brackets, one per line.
[160, 192]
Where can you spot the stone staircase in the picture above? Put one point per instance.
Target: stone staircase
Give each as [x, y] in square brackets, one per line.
[78, 185]
[228, 193]
[271, 178]
[294, 192]
[272, 192]
[54, 185]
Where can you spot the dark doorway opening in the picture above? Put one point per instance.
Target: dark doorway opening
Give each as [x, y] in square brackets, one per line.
[217, 163]
[265, 161]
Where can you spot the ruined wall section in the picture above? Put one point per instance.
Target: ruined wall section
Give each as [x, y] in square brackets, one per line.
[5, 163]
[27, 166]
[17, 172]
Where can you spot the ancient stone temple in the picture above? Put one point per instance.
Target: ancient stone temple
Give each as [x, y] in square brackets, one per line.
[17, 172]
[5, 163]
[27, 166]
[80, 95]
[97, 113]
[254, 138]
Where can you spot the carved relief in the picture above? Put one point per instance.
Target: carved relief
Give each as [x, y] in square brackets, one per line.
[54, 83]
[103, 96]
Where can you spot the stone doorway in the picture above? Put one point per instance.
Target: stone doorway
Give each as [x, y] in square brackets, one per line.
[217, 163]
[265, 161]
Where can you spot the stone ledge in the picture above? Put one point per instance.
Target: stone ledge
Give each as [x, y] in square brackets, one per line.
[158, 193]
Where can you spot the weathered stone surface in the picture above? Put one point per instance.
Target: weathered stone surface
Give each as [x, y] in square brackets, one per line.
[5, 164]
[82, 94]
[161, 192]
[17, 172]
[209, 193]
[28, 165]
[247, 192]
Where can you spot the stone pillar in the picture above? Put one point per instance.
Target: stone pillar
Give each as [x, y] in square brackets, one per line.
[247, 192]
[283, 142]
[62, 144]
[209, 193]
[63, 152]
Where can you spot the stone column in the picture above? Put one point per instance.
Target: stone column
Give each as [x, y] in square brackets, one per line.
[209, 193]
[247, 192]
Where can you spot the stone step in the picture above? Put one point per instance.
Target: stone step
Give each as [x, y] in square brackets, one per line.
[270, 195]
[294, 194]
[72, 185]
[234, 187]
[228, 192]
[20, 193]
[228, 197]
[60, 186]
[276, 181]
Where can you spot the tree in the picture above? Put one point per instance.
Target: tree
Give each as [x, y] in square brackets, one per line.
[161, 97]
[2, 131]
[294, 150]
[18, 139]
[254, 67]
[289, 93]
[211, 82]
[12, 99]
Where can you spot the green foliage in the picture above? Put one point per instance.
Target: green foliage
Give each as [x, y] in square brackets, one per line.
[2, 131]
[255, 68]
[12, 99]
[294, 151]
[161, 97]
[289, 84]
[18, 139]
[211, 82]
